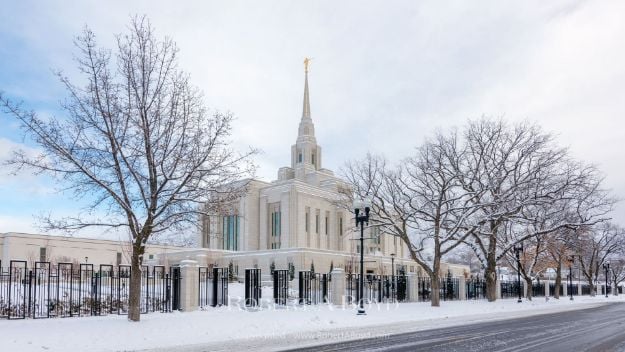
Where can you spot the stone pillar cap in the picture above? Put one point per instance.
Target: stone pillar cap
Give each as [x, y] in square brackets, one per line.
[188, 262]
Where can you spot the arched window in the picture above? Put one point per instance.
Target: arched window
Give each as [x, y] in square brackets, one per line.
[313, 158]
[299, 157]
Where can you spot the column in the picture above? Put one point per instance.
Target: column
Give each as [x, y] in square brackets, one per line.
[263, 217]
[413, 287]
[565, 288]
[579, 287]
[498, 288]
[547, 282]
[462, 290]
[338, 286]
[189, 290]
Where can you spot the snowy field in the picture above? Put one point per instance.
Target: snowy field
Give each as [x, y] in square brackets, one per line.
[233, 328]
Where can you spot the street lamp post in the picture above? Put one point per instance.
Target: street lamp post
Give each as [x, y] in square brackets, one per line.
[606, 267]
[393, 275]
[571, 259]
[518, 248]
[361, 209]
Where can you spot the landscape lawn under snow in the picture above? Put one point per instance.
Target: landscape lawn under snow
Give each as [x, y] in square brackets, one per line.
[227, 326]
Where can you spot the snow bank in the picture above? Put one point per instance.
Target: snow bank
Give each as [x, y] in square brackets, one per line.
[225, 326]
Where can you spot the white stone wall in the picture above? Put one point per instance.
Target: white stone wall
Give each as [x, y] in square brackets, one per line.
[21, 246]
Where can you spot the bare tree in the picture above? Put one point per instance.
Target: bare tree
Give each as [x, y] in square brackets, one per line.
[595, 244]
[617, 271]
[559, 249]
[137, 142]
[419, 201]
[514, 173]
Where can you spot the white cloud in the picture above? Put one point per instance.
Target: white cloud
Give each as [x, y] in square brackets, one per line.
[384, 74]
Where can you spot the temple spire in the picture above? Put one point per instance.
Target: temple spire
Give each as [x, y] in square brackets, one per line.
[305, 153]
[306, 108]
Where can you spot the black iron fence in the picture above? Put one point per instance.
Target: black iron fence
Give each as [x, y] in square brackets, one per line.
[377, 288]
[538, 289]
[552, 289]
[475, 288]
[401, 292]
[510, 289]
[253, 288]
[313, 288]
[448, 288]
[281, 286]
[213, 286]
[74, 290]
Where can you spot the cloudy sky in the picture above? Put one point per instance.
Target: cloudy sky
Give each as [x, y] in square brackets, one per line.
[384, 75]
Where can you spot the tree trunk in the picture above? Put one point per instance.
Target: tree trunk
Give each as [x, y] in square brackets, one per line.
[134, 299]
[558, 283]
[491, 281]
[435, 294]
[593, 289]
[528, 288]
[491, 265]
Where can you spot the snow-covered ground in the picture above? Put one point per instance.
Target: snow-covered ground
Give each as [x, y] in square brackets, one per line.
[234, 328]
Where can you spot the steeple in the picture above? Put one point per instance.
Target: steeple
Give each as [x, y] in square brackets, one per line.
[306, 154]
[306, 109]
[306, 127]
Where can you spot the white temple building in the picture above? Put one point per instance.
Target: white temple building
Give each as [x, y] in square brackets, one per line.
[296, 220]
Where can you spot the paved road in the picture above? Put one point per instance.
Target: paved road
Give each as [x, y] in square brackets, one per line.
[597, 329]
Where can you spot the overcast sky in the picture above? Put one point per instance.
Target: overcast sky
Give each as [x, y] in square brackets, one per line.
[384, 75]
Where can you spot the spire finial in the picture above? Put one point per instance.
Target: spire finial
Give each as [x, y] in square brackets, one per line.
[306, 109]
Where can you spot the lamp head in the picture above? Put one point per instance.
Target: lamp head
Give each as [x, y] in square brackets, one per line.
[362, 204]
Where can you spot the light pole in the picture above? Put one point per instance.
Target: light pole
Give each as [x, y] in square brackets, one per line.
[518, 248]
[361, 209]
[393, 275]
[571, 259]
[606, 267]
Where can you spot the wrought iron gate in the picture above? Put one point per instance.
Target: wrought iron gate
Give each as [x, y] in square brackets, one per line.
[280, 286]
[252, 287]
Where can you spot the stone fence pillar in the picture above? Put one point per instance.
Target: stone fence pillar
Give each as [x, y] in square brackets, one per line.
[413, 287]
[547, 288]
[565, 289]
[462, 290]
[579, 287]
[338, 286]
[498, 289]
[189, 290]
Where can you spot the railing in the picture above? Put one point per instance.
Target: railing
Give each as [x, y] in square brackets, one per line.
[475, 288]
[213, 286]
[538, 289]
[377, 288]
[510, 289]
[552, 288]
[280, 287]
[74, 290]
[449, 288]
[313, 288]
[253, 288]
